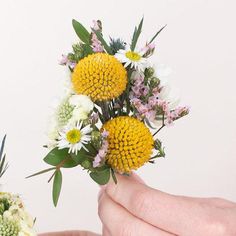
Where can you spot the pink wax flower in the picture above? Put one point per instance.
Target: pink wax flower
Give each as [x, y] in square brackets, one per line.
[100, 157]
[64, 60]
[96, 44]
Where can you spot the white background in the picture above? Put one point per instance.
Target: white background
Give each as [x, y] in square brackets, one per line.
[198, 44]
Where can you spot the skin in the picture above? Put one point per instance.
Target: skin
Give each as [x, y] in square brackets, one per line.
[131, 208]
[70, 233]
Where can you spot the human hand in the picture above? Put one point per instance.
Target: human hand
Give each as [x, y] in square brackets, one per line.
[131, 208]
[70, 233]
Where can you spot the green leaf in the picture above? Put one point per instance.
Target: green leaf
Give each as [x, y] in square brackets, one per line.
[2, 146]
[156, 34]
[101, 177]
[57, 183]
[60, 157]
[3, 166]
[81, 31]
[113, 176]
[41, 172]
[103, 42]
[137, 32]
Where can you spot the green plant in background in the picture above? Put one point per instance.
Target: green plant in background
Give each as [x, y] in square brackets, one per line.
[3, 164]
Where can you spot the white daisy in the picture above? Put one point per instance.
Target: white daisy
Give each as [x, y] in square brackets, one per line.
[74, 137]
[133, 58]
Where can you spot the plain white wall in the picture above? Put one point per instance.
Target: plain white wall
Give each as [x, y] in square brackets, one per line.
[198, 44]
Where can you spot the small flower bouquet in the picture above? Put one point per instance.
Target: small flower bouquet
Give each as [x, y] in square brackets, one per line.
[117, 103]
[14, 220]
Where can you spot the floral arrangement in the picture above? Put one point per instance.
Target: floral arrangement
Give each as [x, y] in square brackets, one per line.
[110, 116]
[14, 220]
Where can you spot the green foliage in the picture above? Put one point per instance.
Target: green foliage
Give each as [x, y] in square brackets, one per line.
[158, 32]
[57, 183]
[3, 165]
[4, 206]
[61, 157]
[81, 32]
[80, 50]
[101, 176]
[116, 45]
[160, 149]
[136, 34]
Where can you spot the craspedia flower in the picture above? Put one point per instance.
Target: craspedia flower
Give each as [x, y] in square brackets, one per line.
[99, 76]
[130, 143]
[8, 228]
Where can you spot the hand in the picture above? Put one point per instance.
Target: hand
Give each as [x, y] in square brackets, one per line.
[131, 208]
[70, 233]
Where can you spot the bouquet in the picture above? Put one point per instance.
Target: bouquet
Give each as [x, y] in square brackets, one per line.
[14, 220]
[109, 118]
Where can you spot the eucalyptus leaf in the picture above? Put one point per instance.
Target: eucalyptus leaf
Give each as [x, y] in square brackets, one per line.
[81, 31]
[101, 177]
[60, 157]
[57, 183]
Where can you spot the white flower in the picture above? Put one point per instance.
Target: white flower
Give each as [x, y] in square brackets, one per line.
[81, 102]
[83, 105]
[133, 58]
[74, 137]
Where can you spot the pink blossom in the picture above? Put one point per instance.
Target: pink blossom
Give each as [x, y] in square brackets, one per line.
[64, 60]
[152, 102]
[105, 134]
[136, 102]
[96, 25]
[150, 115]
[72, 64]
[143, 109]
[100, 157]
[149, 48]
[155, 92]
[96, 44]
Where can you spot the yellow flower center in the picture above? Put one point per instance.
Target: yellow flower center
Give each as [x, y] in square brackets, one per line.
[99, 76]
[133, 56]
[130, 143]
[73, 136]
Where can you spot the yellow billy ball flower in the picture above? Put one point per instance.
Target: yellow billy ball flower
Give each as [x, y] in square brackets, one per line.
[100, 76]
[130, 143]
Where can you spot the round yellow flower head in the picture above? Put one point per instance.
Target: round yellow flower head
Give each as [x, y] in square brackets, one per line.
[100, 76]
[130, 143]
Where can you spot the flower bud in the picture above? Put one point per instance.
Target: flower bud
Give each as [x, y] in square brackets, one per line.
[86, 164]
[96, 139]
[149, 72]
[154, 82]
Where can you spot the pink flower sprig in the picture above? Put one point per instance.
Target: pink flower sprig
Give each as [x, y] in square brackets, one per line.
[100, 157]
[96, 44]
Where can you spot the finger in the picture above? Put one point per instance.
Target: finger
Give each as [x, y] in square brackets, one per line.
[70, 233]
[118, 221]
[105, 232]
[168, 212]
